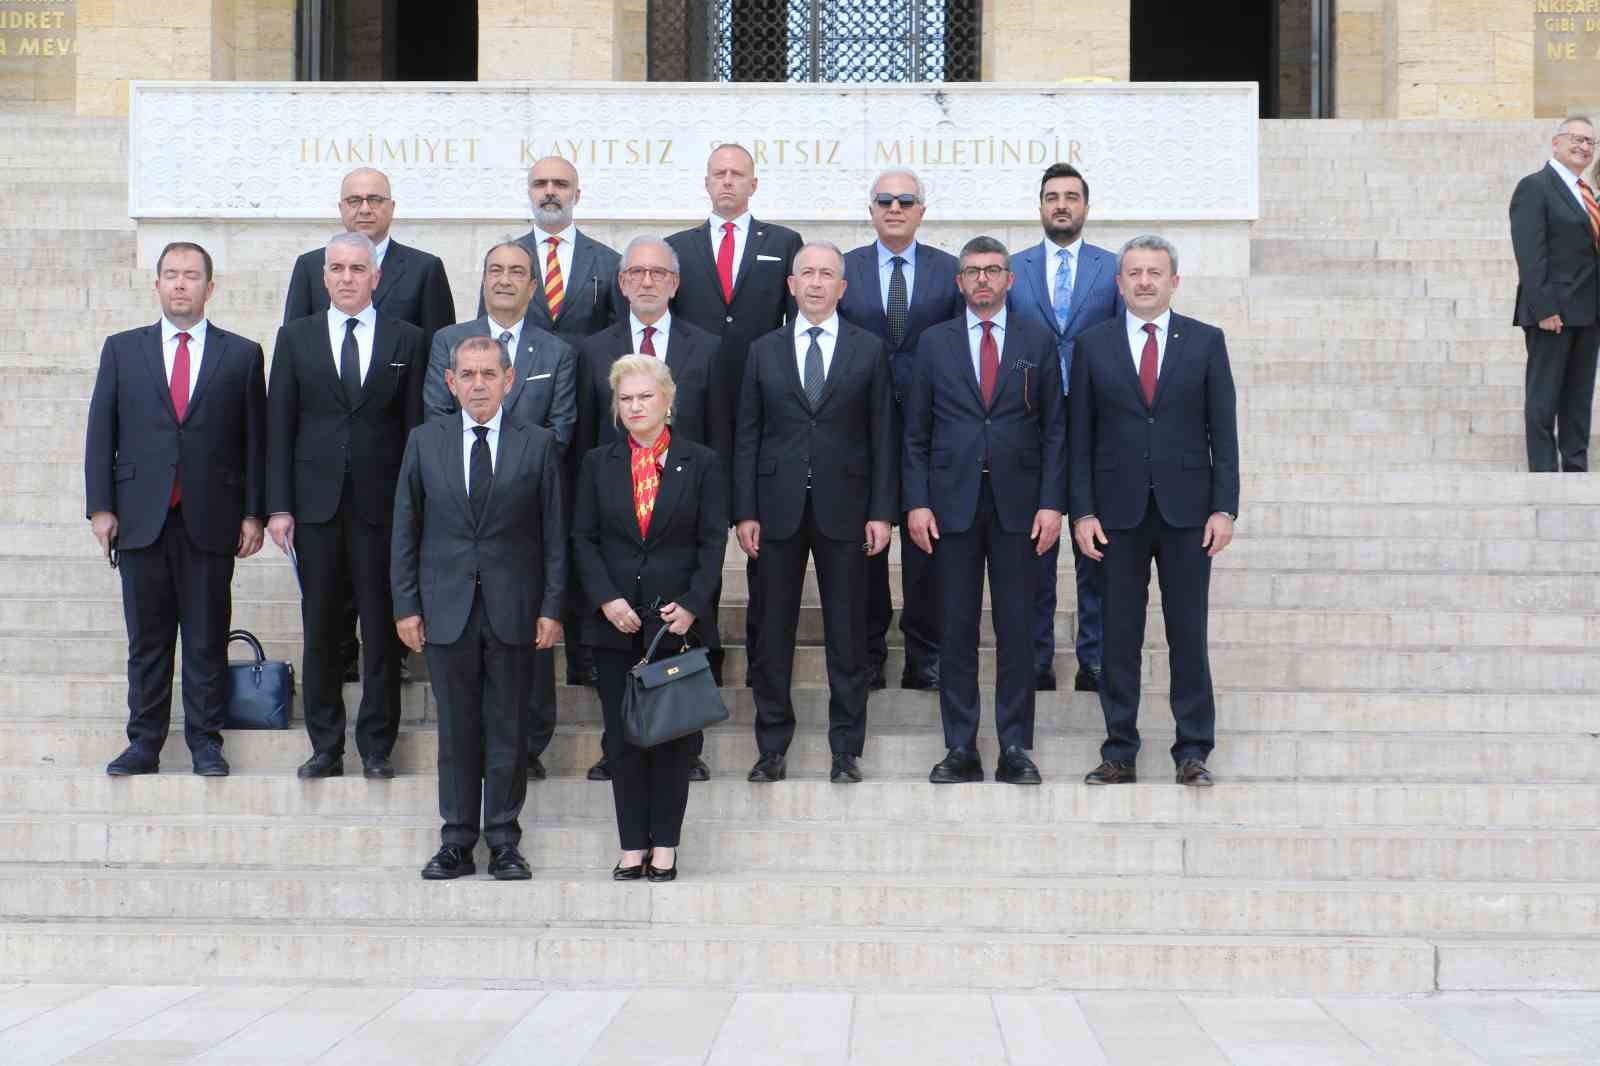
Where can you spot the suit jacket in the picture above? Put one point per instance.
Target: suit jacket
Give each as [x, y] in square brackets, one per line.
[949, 431]
[699, 409]
[411, 287]
[135, 445]
[1184, 447]
[1095, 296]
[441, 555]
[761, 301]
[679, 561]
[845, 446]
[313, 433]
[1558, 268]
[591, 299]
[934, 298]
[543, 389]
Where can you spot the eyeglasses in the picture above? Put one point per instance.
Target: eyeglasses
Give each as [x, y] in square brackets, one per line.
[374, 200]
[655, 274]
[1582, 142]
[990, 273]
[906, 200]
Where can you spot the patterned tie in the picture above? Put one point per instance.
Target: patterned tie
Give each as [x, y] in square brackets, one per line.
[553, 287]
[505, 342]
[814, 379]
[898, 305]
[725, 262]
[350, 362]
[179, 388]
[482, 473]
[648, 346]
[988, 363]
[1592, 208]
[1147, 365]
[1063, 300]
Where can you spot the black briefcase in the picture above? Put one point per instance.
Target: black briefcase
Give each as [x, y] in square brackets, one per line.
[671, 698]
[260, 692]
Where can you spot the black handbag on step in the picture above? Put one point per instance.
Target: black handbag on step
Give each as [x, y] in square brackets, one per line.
[672, 698]
[260, 692]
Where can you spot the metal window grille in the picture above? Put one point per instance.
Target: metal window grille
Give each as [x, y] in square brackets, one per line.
[814, 40]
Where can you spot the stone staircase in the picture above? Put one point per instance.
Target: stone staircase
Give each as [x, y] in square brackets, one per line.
[1404, 642]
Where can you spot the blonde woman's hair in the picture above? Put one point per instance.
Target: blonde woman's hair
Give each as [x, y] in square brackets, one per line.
[651, 367]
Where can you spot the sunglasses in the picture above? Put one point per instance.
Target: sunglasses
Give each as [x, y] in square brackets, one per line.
[906, 200]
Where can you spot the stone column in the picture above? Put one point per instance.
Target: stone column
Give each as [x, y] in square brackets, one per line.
[1433, 59]
[1056, 40]
[533, 40]
[121, 42]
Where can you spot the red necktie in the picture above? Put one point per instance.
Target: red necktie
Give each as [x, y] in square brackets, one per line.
[988, 363]
[1593, 208]
[648, 346]
[725, 262]
[179, 390]
[553, 286]
[1147, 365]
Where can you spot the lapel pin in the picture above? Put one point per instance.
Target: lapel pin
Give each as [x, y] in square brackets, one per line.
[677, 469]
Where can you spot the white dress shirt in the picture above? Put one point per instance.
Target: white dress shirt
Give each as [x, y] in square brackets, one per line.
[379, 250]
[741, 233]
[469, 438]
[886, 271]
[563, 255]
[367, 324]
[1052, 263]
[197, 348]
[658, 339]
[1137, 336]
[1570, 180]
[495, 329]
[825, 340]
[975, 338]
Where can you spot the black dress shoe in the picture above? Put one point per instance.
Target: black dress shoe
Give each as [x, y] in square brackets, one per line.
[507, 864]
[698, 770]
[322, 764]
[536, 770]
[768, 768]
[1194, 772]
[583, 677]
[1112, 773]
[658, 876]
[133, 762]
[449, 863]
[208, 762]
[1045, 680]
[1016, 768]
[875, 679]
[1087, 679]
[845, 771]
[956, 768]
[925, 680]
[620, 872]
[601, 770]
[377, 768]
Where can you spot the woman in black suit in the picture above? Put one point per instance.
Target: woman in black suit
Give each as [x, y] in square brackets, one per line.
[648, 539]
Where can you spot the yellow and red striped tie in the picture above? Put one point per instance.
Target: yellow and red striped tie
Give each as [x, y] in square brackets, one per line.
[553, 287]
[1593, 208]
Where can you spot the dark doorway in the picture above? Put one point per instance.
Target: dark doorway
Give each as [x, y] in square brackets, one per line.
[1282, 45]
[387, 40]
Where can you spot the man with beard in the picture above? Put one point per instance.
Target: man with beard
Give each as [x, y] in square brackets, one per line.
[1067, 286]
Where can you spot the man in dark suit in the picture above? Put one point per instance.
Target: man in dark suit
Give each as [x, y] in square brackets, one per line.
[575, 289]
[1067, 286]
[985, 483]
[175, 471]
[1155, 475]
[346, 388]
[650, 274]
[1555, 232]
[413, 288]
[479, 564]
[895, 288]
[815, 475]
[542, 392]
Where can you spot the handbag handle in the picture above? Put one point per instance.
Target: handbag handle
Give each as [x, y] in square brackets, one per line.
[650, 652]
[249, 638]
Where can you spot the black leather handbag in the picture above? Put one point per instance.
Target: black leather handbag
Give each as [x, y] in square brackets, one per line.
[670, 698]
[260, 692]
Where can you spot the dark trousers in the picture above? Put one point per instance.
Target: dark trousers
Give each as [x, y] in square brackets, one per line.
[650, 785]
[1090, 583]
[919, 607]
[1013, 569]
[479, 682]
[331, 553]
[1559, 396]
[841, 573]
[1184, 571]
[170, 586]
[539, 699]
